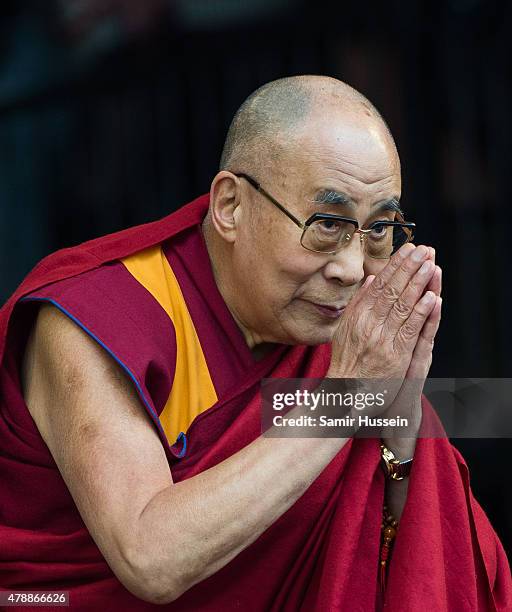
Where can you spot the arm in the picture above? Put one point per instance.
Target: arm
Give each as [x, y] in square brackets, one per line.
[158, 537]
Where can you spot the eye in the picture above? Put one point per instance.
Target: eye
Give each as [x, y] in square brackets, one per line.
[331, 230]
[330, 225]
[380, 231]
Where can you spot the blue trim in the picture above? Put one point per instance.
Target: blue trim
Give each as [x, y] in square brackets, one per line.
[151, 410]
[183, 437]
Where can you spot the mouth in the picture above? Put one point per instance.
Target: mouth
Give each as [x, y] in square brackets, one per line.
[328, 310]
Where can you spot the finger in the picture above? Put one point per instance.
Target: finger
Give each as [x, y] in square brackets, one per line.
[386, 274]
[435, 283]
[359, 294]
[362, 289]
[414, 290]
[407, 336]
[394, 288]
[422, 355]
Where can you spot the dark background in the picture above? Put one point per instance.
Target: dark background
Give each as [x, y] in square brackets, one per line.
[113, 113]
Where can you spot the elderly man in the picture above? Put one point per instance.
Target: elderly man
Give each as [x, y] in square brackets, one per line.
[133, 467]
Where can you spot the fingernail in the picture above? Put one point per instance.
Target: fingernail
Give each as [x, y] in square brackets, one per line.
[419, 254]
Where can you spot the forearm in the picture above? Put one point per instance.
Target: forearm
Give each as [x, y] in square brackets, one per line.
[193, 528]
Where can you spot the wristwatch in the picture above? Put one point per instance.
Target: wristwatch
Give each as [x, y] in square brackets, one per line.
[393, 467]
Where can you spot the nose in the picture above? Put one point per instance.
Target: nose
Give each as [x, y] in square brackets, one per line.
[347, 266]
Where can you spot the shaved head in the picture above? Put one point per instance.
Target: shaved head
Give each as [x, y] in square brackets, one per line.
[315, 146]
[278, 112]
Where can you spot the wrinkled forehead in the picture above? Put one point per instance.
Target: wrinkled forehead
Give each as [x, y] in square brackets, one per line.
[356, 151]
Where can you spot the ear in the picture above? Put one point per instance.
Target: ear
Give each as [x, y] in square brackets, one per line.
[224, 201]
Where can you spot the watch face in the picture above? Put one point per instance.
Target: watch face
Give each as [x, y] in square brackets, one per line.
[402, 469]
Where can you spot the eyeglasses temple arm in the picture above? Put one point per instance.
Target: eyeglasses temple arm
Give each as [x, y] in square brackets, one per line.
[257, 186]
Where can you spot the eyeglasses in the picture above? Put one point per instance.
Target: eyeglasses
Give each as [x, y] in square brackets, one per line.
[329, 234]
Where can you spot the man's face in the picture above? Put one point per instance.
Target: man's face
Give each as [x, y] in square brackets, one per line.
[285, 293]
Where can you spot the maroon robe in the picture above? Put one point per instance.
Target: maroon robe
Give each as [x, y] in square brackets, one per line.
[322, 554]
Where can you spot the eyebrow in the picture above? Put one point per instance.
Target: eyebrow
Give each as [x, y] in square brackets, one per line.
[329, 196]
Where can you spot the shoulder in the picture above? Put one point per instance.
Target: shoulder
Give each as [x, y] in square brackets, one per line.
[103, 318]
[62, 366]
[62, 344]
[58, 344]
[118, 313]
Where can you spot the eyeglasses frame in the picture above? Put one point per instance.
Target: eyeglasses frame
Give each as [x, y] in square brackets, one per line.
[326, 216]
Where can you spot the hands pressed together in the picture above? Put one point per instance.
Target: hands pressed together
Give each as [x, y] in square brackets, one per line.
[387, 330]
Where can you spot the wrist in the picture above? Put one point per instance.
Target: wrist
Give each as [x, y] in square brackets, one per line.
[402, 442]
[402, 448]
